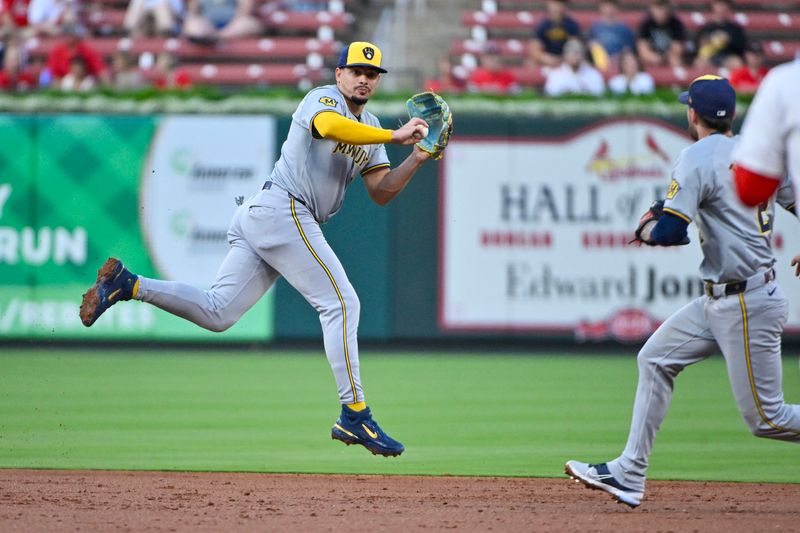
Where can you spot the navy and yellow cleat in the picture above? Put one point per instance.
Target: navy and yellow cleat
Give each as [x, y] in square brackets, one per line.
[599, 477]
[358, 427]
[114, 283]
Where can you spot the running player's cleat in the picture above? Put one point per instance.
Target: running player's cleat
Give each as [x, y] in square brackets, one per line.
[358, 427]
[114, 283]
[598, 477]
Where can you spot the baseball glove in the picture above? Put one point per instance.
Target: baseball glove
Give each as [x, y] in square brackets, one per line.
[647, 222]
[432, 108]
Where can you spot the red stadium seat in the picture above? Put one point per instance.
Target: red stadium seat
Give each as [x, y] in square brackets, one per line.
[307, 20]
[680, 5]
[502, 19]
[700, 4]
[529, 77]
[669, 76]
[774, 50]
[107, 18]
[504, 47]
[246, 48]
[278, 47]
[253, 74]
[780, 51]
[751, 21]
[518, 20]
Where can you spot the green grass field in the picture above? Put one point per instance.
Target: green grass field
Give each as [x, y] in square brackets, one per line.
[457, 414]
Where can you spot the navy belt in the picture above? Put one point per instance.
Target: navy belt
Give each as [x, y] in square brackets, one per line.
[727, 289]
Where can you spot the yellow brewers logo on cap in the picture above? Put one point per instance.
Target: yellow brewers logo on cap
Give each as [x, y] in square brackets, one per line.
[361, 54]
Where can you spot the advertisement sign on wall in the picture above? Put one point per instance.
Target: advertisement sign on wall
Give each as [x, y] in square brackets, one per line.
[196, 168]
[534, 234]
[157, 192]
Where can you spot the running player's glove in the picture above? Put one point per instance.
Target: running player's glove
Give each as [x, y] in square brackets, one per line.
[432, 108]
[647, 222]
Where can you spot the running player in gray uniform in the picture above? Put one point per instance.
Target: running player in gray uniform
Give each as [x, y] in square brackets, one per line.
[742, 313]
[277, 232]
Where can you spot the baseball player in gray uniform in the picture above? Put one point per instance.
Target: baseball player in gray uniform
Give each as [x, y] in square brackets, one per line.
[741, 314]
[277, 232]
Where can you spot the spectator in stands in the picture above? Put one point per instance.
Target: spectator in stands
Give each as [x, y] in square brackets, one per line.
[631, 78]
[153, 17]
[49, 17]
[447, 79]
[125, 76]
[720, 38]
[747, 78]
[492, 76]
[575, 75]
[15, 77]
[609, 37]
[246, 21]
[78, 78]
[661, 36]
[552, 33]
[13, 16]
[213, 19]
[205, 17]
[168, 74]
[59, 61]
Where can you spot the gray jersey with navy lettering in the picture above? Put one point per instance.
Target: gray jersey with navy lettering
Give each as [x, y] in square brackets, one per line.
[317, 171]
[735, 239]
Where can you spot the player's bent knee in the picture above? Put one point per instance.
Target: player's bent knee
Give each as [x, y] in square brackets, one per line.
[346, 303]
[652, 362]
[647, 359]
[353, 305]
[218, 324]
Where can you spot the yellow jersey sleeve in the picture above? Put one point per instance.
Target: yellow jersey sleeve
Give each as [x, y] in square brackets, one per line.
[332, 125]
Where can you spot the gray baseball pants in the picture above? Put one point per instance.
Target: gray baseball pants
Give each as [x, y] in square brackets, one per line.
[747, 329]
[271, 235]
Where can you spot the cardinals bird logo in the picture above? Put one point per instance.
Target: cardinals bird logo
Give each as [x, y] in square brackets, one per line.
[655, 148]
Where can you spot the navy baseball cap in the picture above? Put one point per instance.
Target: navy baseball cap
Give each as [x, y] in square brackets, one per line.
[361, 54]
[711, 96]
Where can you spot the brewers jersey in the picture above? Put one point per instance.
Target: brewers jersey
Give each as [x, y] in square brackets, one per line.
[317, 171]
[735, 239]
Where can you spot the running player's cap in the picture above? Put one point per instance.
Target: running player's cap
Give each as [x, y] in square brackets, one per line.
[711, 96]
[361, 54]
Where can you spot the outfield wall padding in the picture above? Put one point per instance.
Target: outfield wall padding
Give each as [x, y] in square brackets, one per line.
[499, 240]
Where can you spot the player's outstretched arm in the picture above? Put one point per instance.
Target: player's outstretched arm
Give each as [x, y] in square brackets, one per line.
[384, 184]
[333, 126]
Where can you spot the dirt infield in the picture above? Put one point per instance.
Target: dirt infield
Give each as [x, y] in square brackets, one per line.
[48, 500]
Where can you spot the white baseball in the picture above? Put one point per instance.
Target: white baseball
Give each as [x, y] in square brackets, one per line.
[421, 133]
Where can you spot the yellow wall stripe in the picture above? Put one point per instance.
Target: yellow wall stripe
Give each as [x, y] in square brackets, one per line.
[761, 413]
[338, 293]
